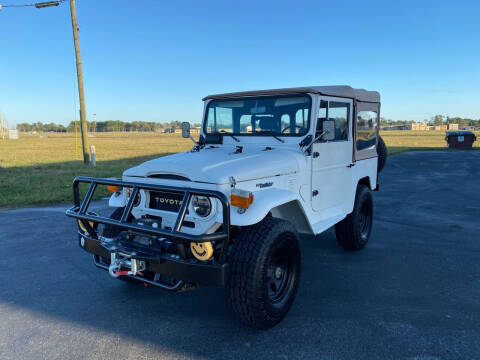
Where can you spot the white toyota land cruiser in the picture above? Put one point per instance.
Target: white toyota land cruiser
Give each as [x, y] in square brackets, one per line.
[268, 165]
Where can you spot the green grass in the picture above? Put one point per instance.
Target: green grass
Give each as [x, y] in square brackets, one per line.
[39, 169]
[401, 141]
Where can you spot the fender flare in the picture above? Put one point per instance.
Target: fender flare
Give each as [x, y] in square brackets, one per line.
[276, 201]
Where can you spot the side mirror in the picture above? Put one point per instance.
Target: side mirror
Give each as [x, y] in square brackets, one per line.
[186, 130]
[328, 129]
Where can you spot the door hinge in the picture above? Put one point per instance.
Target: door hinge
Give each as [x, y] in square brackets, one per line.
[316, 154]
[315, 193]
[351, 165]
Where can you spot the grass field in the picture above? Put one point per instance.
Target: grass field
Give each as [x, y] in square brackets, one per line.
[39, 169]
[401, 141]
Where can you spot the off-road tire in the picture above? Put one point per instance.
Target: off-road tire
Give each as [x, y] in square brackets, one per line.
[272, 244]
[382, 154]
[354, 231]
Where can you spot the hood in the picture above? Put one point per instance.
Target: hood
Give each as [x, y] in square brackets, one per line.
[216, 165]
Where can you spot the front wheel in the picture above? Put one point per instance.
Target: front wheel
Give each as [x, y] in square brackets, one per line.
[264, 272]
[354, 231]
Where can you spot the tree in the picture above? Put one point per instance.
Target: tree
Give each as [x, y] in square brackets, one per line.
[438, 120]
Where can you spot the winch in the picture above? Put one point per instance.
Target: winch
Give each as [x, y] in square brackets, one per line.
[123, 264]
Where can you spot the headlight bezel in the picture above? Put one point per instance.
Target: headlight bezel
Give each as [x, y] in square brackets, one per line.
[196, 206]
[128, 191]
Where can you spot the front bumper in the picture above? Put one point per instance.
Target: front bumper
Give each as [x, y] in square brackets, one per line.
[157, 261]
[190, 271]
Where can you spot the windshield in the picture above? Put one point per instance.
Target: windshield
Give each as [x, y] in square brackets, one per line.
[266, 115]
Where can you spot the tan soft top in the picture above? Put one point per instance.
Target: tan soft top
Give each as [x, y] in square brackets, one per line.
[333, 90]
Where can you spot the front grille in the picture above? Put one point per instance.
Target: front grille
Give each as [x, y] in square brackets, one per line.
[167, 201]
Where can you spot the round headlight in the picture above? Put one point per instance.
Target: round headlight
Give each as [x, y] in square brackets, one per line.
[128, 192]
[201, 205]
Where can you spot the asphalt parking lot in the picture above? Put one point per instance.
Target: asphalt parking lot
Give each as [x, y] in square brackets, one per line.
[413, 293]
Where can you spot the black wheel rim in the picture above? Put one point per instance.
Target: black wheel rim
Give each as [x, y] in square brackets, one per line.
[365, 220]
[279, 276]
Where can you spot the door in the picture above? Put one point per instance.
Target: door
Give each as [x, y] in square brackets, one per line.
[332, 160]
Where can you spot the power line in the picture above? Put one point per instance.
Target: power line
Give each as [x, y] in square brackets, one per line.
[18, 5]
[37, 5]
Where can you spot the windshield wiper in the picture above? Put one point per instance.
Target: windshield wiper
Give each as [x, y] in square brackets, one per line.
[271, 133]
[229, 134]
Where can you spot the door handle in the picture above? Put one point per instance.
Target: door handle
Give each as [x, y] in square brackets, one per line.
[316, 154]
[351, 165]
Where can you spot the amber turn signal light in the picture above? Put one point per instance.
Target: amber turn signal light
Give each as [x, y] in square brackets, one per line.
[241, 198]
[113, 188]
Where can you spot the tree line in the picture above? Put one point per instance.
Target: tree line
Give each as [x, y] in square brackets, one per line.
[101, 126]
[434, 120]
[144, 126]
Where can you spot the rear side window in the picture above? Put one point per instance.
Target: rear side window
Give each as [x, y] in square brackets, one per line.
[366, 130]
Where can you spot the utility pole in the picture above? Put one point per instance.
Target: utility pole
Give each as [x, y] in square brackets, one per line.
[2, 128]
[73, 12]
[81, 94]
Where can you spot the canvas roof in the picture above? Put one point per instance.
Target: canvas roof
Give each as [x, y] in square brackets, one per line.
[332, 90]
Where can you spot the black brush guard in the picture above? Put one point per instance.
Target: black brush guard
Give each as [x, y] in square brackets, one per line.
[178, 267]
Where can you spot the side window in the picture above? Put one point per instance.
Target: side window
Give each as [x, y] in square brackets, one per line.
[366, 129]
[322, 115]
[339, 112]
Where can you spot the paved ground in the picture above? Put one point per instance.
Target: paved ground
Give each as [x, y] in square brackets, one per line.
[413, 293]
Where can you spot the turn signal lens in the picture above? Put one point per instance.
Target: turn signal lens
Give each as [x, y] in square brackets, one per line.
[113, 188]
[241, 198]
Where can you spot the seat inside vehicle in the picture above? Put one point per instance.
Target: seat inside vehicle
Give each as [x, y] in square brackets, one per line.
[267, 123]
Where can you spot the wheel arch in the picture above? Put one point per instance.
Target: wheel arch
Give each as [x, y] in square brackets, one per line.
[281, 204]
[293, 212]
[365, 181]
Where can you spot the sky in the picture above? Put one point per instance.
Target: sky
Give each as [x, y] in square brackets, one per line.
[152, 60]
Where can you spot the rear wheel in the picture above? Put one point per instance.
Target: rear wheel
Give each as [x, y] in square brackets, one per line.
[354, 231]
[264, 272]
